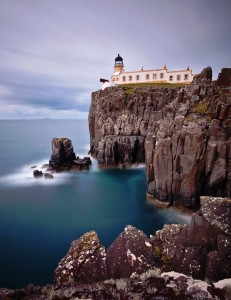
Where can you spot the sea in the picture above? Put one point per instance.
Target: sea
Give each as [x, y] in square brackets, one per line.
[40, 218]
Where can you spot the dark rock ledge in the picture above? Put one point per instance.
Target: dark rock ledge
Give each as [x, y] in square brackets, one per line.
[172, 264]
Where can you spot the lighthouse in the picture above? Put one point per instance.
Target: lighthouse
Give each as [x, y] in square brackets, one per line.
[119, 65]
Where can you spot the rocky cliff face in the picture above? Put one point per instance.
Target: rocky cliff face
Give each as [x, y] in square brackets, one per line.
[182, 134]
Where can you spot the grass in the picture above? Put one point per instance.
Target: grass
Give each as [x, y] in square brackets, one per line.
[201, 108]
[130, 88]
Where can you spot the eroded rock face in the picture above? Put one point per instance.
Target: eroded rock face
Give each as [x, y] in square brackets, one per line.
[183, 135]
[203, 248]
[84, 262]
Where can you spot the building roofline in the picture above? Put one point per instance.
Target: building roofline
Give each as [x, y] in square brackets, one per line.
[167, 71]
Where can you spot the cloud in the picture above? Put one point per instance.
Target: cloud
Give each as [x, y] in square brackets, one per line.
[52, 54]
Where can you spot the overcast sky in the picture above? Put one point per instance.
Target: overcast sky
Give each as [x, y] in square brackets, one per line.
[53, 52]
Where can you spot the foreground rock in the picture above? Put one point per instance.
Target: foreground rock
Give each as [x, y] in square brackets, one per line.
[182, 134]
[131, 253]
[63, 157]
[84, 262]
[149, 285]
[203, 248]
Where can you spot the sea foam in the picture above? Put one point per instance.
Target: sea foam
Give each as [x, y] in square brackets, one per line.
[24, 175]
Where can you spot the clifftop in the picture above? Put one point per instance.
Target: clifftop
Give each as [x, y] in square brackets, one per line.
[183, 134]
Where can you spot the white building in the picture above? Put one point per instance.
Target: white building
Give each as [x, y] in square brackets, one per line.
[145, 76]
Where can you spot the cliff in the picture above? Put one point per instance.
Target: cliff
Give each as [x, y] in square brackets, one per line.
[182, 134]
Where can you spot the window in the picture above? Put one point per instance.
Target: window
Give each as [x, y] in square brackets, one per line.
[170, 78]
[147, 76]
[161, 75]
[130, 78]
[113, 79]
[137, 77]
[185, 76]
[178, 77]
[124, 78]
[154, 76]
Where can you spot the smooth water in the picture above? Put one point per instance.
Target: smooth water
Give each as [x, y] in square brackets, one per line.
[40, 218]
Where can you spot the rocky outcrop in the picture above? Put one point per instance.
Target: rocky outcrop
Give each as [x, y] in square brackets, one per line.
[203, 248]
[63, 157]
[130, 253]
[84, 262]
[183, 135]
[87, 261]
[200, 249]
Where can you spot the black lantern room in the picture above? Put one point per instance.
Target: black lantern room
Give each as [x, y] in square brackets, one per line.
[119, 61]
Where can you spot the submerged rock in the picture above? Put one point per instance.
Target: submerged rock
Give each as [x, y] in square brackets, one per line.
[48, 176]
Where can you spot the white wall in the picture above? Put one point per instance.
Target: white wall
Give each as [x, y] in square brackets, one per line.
[142, 76]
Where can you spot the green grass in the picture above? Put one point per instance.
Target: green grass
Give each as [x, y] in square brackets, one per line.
[130, 88]
[202, 109]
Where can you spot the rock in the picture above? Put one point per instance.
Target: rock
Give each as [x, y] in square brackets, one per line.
[205, 77]
[37, 174]
[203, 248]
[81, 164]
[63, 157]
[33, 167]
[44, 166]
[85, 262]
[130, 253]
[183, 135]
[224, 78]
[48, 176]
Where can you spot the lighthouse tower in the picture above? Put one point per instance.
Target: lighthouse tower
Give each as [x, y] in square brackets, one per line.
[119, 65]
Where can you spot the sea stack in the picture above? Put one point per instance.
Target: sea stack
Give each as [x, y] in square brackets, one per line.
[63, 157]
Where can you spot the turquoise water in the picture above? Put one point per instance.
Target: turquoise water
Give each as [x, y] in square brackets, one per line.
[39, 219]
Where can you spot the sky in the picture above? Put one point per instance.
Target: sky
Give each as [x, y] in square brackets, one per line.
[53, 52]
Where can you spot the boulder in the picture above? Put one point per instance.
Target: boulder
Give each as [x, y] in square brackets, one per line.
[130, 253]
[48, 176]
[85, 262]
[37, 174]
